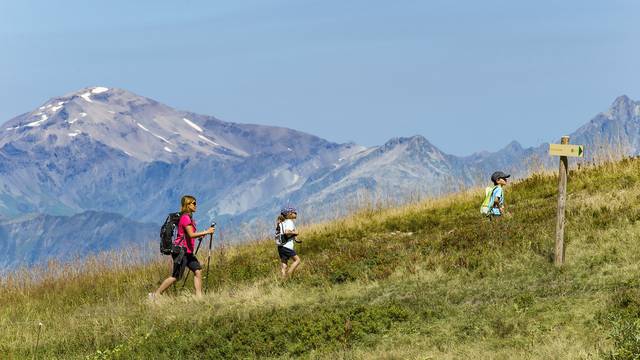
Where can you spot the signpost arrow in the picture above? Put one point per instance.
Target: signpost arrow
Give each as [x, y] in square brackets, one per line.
[566, 150]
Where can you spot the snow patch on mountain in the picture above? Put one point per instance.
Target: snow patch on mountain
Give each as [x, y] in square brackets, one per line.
[208, 140]
[43, 118]
[163, 139]
[57, 107]
[96, 90]
[87, 96]
[99, 90]
[142, 127]
[193, 125]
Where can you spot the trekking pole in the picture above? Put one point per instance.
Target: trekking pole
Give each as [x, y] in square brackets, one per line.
[194, 254]
[206, 285]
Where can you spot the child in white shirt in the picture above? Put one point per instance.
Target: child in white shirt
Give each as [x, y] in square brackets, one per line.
[286, 234]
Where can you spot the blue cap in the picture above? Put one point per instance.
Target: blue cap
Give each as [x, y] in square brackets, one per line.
[499, 175]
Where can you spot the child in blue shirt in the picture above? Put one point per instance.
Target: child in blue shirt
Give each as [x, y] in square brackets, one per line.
[496, 203]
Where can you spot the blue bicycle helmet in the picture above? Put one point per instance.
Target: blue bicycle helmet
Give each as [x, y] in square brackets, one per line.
[288, 210]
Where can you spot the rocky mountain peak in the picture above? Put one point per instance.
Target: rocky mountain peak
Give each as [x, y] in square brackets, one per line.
[513, 146]
[623, 108]
[416, 141]
[622, 100]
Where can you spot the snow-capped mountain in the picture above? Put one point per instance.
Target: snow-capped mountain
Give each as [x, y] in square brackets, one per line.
[140, 128]
[110, 150]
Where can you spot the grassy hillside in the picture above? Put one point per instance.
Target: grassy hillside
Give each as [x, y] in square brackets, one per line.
[430, 281]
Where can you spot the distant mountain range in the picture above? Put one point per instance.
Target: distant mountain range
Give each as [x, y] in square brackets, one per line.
[35, 237]
[126, 160]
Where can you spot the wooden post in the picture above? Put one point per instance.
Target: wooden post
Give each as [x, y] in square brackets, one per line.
[562, 195]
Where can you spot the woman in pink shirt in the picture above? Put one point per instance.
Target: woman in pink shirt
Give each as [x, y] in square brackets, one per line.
[185, 241]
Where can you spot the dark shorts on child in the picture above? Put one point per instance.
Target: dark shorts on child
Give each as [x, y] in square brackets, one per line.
[285, 253]
[182, 261]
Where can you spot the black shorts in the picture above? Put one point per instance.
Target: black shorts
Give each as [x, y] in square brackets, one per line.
[285, 253]
[182, 261]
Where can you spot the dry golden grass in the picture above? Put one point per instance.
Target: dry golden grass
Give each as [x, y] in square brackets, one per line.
[427, 280]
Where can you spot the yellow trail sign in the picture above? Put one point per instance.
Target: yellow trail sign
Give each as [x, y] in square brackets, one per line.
[566, 150]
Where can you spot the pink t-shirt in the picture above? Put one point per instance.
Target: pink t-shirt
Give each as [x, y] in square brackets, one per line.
[183, 239]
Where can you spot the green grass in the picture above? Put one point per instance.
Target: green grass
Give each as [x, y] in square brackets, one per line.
[431, 280]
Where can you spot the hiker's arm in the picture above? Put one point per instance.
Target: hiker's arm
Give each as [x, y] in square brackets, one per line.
[501, 207]
[496, 204]
[289, 229]
[189, 230]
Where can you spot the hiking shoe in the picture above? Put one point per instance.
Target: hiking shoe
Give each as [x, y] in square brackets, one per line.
[152, 296]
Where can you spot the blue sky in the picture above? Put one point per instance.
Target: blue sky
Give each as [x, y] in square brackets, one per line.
[467, 75]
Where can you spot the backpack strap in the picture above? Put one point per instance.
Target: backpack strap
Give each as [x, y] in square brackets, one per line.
[279, 233]
[283, 236]
[184, 232]
[493, 204]
[185, 229]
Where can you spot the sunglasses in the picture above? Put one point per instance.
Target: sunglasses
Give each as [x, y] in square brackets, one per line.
[194, 204]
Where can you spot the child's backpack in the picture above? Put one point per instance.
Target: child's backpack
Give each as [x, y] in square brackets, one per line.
[281, 238]
[168, 231]
[488, 193]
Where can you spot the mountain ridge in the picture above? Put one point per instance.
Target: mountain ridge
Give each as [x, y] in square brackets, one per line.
[36, 237]
[114, 158]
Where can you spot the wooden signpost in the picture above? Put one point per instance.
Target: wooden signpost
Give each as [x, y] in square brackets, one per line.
[563, 150]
